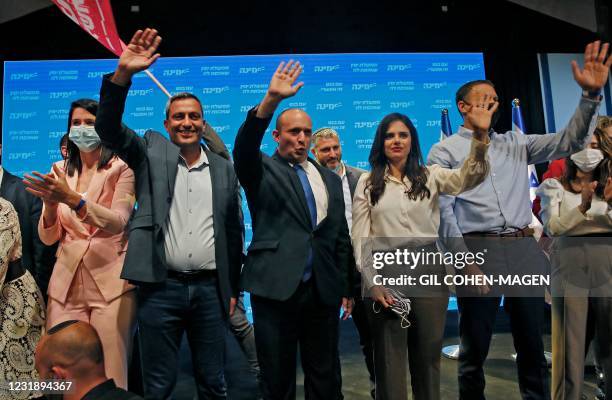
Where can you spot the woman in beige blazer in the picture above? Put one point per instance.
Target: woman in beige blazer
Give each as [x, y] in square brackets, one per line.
[88, 200]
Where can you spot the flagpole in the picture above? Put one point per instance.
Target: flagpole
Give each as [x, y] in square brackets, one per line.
[158, 83]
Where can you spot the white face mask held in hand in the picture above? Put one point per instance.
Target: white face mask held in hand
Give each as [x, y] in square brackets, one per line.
[85, 137]
[401, 306]
[586, 160]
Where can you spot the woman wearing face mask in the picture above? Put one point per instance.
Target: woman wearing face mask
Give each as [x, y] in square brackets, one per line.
[577, 213]
[22, 310]
[87, 201]
[396, 207]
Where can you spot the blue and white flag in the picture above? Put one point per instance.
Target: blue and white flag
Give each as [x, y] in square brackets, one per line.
[445, 126]
[532, 176]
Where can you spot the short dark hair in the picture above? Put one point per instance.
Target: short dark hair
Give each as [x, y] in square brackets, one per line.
[465, 89]
[73, 162]
[182, 96]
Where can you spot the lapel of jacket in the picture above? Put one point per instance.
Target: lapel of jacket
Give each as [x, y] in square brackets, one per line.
[94, 190]
[216, 180]
[350, 178]
[172, 160]
[327, 182]
[98, 180]
[297, 194]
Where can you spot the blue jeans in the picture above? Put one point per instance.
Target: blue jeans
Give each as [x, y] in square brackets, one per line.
[167, 310]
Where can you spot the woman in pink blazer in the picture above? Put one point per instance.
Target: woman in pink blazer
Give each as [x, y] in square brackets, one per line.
[88, 199]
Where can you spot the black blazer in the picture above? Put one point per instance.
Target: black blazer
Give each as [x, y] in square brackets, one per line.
[282, 231]
[36, 258]
[352, 175]
[154, 160]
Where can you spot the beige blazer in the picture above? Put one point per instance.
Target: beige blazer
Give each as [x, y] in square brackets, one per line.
[98, 241]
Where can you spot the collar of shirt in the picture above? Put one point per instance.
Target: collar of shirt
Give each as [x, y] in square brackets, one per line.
[202, 161]
[305, 164]
[342, 172]
[390, 178]
[1, 173]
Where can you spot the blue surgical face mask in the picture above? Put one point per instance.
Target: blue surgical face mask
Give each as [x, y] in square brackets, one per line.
[85, 137]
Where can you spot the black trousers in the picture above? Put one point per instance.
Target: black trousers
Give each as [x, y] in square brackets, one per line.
[280, 326]
[476, 321]
[360, 320]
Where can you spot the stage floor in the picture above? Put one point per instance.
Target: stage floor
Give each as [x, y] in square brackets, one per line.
[500, 368]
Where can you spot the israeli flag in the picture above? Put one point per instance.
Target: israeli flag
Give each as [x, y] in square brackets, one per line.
[532, 176]
[445, 125]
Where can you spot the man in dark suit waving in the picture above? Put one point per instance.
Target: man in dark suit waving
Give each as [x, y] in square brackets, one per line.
[297, 267]
[185, 239]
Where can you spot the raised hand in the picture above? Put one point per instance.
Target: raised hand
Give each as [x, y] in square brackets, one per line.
[139, 55]
[282, 85]
[593, 76]
[282, 82]
[480, 113]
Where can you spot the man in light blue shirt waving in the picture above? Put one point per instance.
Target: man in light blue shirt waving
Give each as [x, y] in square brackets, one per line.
[500, 207]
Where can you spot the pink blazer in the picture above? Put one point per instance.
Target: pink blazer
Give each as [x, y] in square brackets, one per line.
[99, 240]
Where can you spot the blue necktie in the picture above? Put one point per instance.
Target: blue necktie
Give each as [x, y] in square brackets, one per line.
[312, 207]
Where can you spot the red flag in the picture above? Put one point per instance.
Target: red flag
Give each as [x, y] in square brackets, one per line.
[96, 18]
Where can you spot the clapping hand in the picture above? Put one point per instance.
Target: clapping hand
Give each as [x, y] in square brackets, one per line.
[588, 189]
[51, 188]
[608, 191]
[593, 76]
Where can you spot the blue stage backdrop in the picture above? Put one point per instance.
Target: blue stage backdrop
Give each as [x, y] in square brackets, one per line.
[348, 92]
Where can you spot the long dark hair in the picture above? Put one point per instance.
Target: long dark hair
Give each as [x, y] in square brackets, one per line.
[415, 169]
[73, 162]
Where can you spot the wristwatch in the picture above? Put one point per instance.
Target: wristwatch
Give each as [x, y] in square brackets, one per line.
[591, 95]
[80, 205]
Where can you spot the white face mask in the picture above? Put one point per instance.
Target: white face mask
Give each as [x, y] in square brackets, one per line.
[586, 160]
[85, 137]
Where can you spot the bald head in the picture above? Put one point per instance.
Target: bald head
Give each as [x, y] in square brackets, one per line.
[293, 133]
[70, 349]
[287, 115]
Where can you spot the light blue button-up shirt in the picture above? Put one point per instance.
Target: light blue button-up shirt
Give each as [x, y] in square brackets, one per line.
[501, 203]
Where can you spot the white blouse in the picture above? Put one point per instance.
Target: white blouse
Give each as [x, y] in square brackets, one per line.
[561, 216]
[397, 216]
